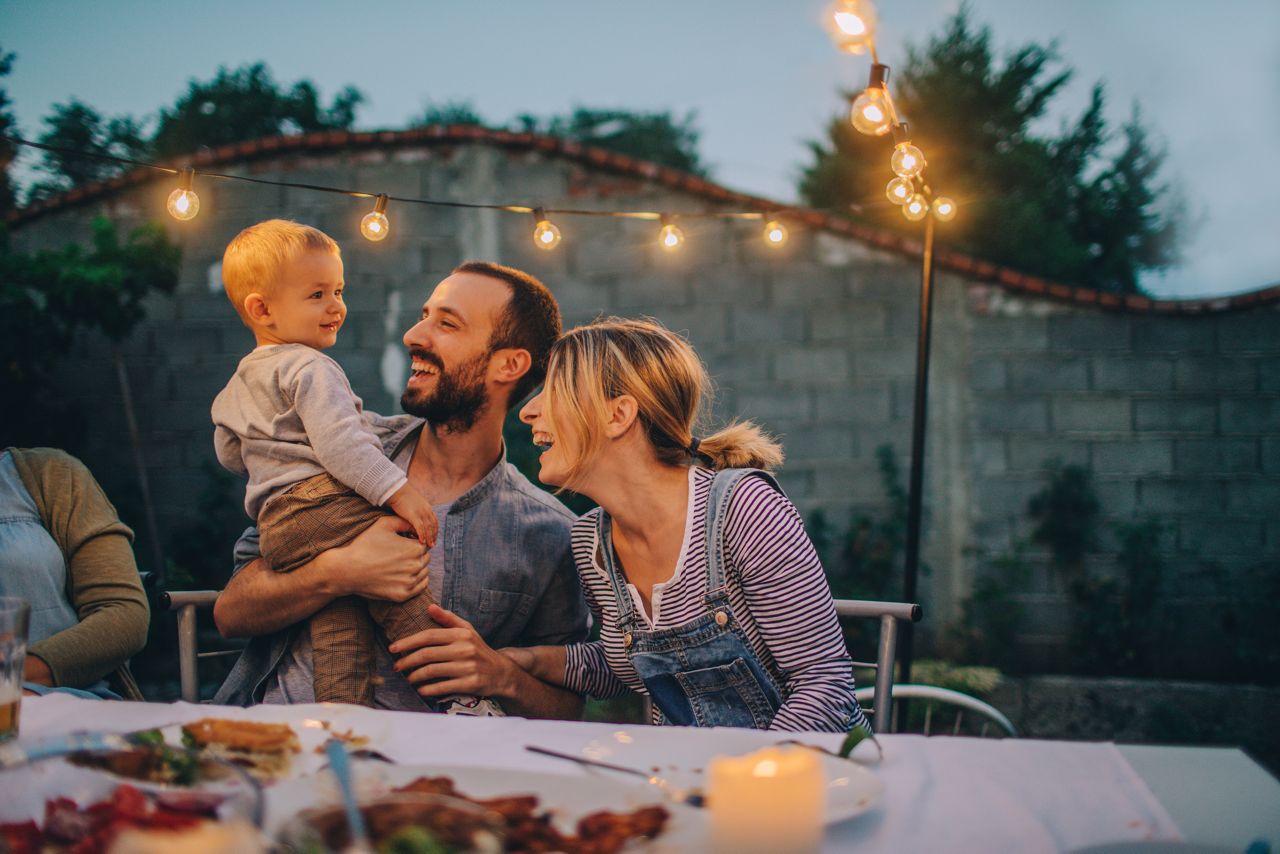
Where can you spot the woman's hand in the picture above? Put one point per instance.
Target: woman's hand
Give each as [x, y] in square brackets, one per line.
[381, 563]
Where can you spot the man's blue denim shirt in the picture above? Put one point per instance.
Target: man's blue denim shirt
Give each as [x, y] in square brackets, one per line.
[508, 567]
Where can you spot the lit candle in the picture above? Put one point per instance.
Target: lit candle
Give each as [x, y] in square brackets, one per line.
[768, 801]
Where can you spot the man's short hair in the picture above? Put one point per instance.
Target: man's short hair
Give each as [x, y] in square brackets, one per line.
[530, 322]
[253, 259]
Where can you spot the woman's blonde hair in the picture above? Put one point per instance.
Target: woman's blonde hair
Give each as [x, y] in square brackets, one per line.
[596, 363]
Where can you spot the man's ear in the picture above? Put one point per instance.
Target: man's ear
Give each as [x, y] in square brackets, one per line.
[623, 413]
[509, 364]
[257, 310]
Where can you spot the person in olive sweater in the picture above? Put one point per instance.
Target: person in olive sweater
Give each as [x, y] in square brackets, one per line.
[64, 549]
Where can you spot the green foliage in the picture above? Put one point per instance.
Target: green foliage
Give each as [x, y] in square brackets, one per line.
[199, 553]
[1061, 206]
[247, 103]
[47, 298]
[992, 616]
[448, 113]
[78, 127]
[1066, 516]
[8, 126]
[658, 137]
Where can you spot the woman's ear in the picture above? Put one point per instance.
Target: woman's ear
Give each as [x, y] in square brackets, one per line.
[623, 413]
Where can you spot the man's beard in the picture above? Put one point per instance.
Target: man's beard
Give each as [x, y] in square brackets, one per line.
[459, 398]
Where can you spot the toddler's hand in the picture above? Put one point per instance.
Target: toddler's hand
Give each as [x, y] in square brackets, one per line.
[410, 506]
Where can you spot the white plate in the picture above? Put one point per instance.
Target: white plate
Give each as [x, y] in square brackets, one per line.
[569, 798]
[679, 755]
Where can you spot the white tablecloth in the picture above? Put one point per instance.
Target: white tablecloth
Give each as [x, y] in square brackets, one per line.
[940, 794]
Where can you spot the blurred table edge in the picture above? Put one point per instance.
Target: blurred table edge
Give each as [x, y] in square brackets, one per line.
[1180, 777]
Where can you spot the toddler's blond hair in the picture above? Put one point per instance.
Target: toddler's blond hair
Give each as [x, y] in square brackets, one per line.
[254, 257]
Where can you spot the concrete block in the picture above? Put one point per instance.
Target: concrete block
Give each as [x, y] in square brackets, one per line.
[1033, 453]
[1181, 496]
[704, 327]
[862, 403]
[1217, 373]
[797, 483]
[1250, 415]
[988, 373]
[843, 322]
[804, 285]
[1180, 415]
[819, 443]
[813, 364]
[1132, 373]
[1257, 498]
[1156, 334]
[848, 484]
[1048, 374]
[1005, 497]
[730, 366]
[1093, 413]
[990, 456]
[884, 360]
[605, 249]
[1255, 331]
[891, 283]
[1133, 456]
[730, 286]
[1009, 334]
[1221, 537]
[189, 344]
[1216, 456]
[755, 324]
[774, 404]
[1009, 413]
[1270, 446]
[652, 293]
[1118, 496]
[1090, 332]
[1270, 376]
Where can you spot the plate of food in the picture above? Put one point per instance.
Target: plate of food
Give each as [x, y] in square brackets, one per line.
[680, 757]
[535, 811]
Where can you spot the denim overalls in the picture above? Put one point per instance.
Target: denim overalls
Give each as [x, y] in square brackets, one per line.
[704, 672]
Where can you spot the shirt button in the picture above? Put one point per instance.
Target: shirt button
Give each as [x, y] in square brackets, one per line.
[721, 618]
[626, 640]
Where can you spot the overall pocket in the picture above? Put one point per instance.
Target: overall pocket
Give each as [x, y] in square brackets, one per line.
[727, 695]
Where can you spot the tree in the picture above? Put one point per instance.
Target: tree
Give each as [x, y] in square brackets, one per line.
[8, 126]
[1053, 205]
[657, 137]
[77, 127]
[448, 113]
[247, 104]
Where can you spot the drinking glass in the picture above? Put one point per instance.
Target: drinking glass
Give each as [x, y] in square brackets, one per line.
[15, 618]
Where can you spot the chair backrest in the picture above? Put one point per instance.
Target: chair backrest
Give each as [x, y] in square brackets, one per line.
[888, 613]
[947, 709]
[186, 603]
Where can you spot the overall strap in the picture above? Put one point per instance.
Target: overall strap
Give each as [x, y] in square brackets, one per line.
[604, 541]
[724, 484]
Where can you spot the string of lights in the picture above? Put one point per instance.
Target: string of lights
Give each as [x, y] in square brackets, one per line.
[184, 204]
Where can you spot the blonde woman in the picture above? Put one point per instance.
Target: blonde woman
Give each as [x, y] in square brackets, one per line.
[709, 595]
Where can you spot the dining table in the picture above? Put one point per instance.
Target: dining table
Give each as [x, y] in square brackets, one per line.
[916, 793]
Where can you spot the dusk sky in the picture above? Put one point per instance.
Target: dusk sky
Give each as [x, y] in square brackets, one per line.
[760, 74]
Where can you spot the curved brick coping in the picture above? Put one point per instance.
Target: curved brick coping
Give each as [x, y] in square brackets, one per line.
[622, 164]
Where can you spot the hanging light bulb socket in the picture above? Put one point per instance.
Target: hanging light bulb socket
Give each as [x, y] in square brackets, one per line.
[183, 202]
[375, 226]
[670, 237]
[872, 110]
[545, 234]
[775, 234]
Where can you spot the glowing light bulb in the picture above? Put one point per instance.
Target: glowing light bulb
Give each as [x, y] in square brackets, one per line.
[900, 191]
[670, 237]
[545, 234]
[183, 203]
[907, 160]
[775, 234]
[375, 226]
[916, 208]
[944, 209]
[871, 112]
[852, 25]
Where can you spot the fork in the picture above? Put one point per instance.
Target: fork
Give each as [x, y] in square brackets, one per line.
[690, 797]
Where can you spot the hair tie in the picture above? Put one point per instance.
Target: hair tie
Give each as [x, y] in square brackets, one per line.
[693, 446]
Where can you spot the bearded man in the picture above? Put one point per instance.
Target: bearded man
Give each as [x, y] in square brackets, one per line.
[501, 567]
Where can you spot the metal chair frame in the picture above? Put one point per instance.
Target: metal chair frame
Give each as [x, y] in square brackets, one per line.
[932, 695]
[888, 613]
[187, 603]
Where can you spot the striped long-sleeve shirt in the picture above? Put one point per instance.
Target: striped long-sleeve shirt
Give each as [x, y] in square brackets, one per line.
[777, 591]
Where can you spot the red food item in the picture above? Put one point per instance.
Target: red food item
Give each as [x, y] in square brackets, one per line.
[90, 830]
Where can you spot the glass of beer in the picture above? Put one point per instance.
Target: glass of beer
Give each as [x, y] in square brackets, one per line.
[15, 617]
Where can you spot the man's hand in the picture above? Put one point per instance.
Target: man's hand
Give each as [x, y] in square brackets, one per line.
[453, 659]
[411, 506]
[381, 563]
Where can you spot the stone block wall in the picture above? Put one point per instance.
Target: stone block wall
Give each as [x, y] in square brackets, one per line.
[1176, 416]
